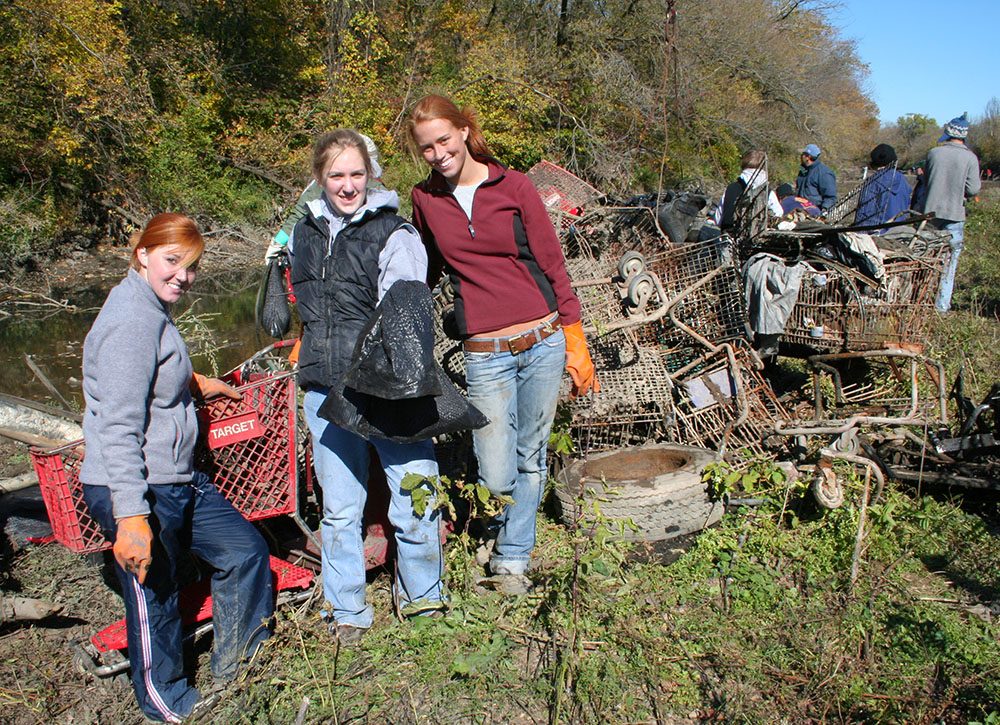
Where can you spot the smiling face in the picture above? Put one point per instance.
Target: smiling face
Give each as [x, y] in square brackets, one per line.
[345, 180]
[442, 144]
[168, 270]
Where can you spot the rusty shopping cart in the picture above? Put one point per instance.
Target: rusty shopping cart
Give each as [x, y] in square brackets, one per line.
[839, 308]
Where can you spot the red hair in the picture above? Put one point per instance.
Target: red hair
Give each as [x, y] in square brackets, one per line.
[433, 107]
[169, 228]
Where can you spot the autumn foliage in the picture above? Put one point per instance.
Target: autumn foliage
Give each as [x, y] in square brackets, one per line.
[112, 110]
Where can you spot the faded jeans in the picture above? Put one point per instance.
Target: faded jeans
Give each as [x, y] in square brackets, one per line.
[957, 230]
[341, 459]
[518, 393]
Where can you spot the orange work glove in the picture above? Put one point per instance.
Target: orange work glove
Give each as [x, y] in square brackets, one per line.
[578, 363]
[293, 356]
[133, 547]
[203, 388]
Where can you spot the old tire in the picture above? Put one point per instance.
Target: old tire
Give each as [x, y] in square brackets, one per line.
[660, 489]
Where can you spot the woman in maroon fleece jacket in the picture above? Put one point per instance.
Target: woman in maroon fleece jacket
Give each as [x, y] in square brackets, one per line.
[514, 306]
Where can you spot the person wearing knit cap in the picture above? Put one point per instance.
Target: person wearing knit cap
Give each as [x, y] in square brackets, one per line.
[885, 194]
[816, 182]
[957, 128]
[952, 172]
[789, 202]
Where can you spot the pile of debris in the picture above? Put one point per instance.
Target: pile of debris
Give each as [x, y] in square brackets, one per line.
[682, 318]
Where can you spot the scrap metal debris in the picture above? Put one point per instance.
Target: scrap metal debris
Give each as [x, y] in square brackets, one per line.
[665, 306]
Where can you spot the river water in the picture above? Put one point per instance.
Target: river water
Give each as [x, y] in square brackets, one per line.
[217, 315]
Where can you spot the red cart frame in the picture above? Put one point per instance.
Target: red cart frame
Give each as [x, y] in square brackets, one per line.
[247, 447]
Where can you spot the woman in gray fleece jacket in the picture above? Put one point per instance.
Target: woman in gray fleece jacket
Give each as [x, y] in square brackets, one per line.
[140, 484]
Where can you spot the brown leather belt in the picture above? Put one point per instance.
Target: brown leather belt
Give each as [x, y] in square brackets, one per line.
[516, 344]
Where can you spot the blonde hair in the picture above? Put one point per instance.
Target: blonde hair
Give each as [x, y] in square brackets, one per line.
[169, 228]
[433, 107]
[333, 143]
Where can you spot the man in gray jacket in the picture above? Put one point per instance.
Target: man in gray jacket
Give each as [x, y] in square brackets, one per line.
[952, 177]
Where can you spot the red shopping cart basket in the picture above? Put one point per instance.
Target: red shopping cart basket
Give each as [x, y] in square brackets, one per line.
[247, 447]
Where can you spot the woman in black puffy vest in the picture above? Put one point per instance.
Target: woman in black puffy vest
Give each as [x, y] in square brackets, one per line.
[346, 253]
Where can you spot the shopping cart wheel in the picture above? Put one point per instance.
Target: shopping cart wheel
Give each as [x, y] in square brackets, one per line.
[640, 289]
[631, 263]
[826, 489]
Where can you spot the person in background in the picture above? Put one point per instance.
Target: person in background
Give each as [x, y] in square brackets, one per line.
[346, 252]
[919, 195]
[140, 484]
[789, 202]
[816, 182]
[952, 177]
[514, 308]
[886, 196]
[753, 176]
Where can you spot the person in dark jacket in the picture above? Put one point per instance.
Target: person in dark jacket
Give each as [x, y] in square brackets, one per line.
[885, 195]
[346, 252]
[141, 487]
[816, 182]
[514, 308]
[789, 202]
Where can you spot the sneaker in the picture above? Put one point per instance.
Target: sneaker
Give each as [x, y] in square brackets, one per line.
[347, 634]
[203, 708]
[200, 712]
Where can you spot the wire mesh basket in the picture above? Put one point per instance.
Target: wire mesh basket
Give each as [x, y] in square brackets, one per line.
[845, 210]
[705, 299]
[839, 309]
[565, 195]
[723, 402]
[635, 402]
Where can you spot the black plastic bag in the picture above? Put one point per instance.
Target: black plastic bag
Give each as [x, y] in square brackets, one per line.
[394, 389]
[275, 316]
[404, 421]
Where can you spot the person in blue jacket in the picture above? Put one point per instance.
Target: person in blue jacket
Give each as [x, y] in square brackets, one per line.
[886, 193]
[816, 182]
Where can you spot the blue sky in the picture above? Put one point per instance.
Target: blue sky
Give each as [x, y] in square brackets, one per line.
[934, 58]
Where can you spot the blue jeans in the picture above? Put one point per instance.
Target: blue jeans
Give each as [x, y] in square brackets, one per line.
[341, 459]
[957, 230]
[518, 393]
[194, 517]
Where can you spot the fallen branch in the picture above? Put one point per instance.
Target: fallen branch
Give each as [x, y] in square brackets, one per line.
[135, 219]
[16, 483]
[256, 171]
[44, 379]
